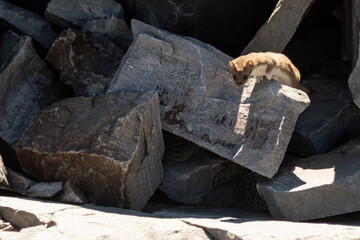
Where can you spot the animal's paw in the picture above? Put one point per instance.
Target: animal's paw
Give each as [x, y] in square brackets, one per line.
[260, 79]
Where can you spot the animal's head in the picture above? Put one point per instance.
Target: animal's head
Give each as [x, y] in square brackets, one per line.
[241, 72]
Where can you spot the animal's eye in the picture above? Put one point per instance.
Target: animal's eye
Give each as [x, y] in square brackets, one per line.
[234, 77]
[245, 76]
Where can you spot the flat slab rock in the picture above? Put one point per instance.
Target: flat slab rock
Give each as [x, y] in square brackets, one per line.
[87, 62]
[23, 93]
[200, 102]
[47, 220]
[323, 123]
[68, 13]
[110, 146]
[316, 187]
[278, 30]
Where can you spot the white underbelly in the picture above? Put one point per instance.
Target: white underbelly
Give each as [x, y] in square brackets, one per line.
[282, 77]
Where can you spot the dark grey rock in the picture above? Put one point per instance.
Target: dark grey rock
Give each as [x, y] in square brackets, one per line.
[27, 85]
[71, 194]
[316, 187]
[87, 62]
[278, 30]
[113, 28]
[18, 182]
[323, 123]
[69, 13]
[110, 146]
[44, 190]
[28, 23]
[193, 175]
[200, 102]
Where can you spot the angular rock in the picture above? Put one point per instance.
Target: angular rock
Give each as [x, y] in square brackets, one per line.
[323, 123]
[3, 179]
[71, 194]
[46, 220]
[352, 48]
[277, 31]
[18, 182]
[86, 62]
[110, 146]
[44, 190]
[193, 175]
[23, 93]
[200, 102]
[28, 23]
[67, 13]
[316, 187]
[113, 28]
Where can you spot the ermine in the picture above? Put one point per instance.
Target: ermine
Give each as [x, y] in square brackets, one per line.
[266, 64]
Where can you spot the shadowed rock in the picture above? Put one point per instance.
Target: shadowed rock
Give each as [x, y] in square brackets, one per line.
[27, 85]
[67, 13]
[18, 182]
[316, 187]
[71, 194]
[28, 23]
[86, 61]
[110, 146]
[200, 102]
[323, 123]
[278, 30]
[193, 175]
[112, 28]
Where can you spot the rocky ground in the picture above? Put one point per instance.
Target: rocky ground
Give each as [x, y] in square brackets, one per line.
[127, 110]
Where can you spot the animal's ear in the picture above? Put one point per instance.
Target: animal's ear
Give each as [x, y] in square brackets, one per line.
[232, 66]
[249, 63]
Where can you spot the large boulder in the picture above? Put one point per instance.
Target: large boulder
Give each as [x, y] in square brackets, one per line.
[278, 30]
[323, 123]
[110, 146]
[316, 187]
[27, 85]
[87, 62]
[193, 175]
[200, 102]
[69, 13]
[27, 22]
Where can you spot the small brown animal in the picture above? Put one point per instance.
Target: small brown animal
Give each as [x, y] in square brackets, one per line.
[266, 64]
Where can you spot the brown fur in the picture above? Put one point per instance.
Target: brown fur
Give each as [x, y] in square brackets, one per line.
[243, 66]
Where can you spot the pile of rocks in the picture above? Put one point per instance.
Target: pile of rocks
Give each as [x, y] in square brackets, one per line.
[90, 120]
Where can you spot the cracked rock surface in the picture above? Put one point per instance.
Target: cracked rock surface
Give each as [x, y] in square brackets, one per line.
[110, 146]
[200, 102]
[46, 220]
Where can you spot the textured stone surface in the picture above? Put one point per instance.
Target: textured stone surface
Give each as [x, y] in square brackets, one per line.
[113, 28]
[86, 62]
[323, 123]
[4, 183]
[19, 183]
[110, 146]
[28, 23]
[67, 13]
[199, 100]
[23, 93]
[277, 31]
[71, 194]
[193, 175]
[316, 187]
[44, 190]
[45, 220]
